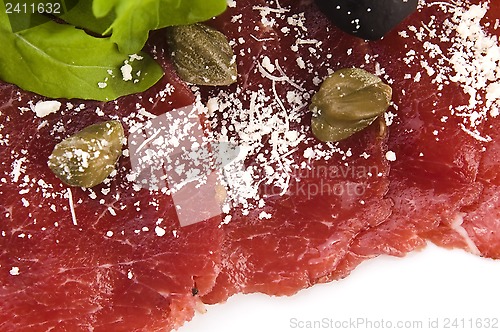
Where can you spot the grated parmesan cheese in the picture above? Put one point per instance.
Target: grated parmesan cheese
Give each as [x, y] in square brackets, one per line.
[390, 156]
[160, 231]
[248, 117]
[472, 61]
[126, 71]
[14, 271]
[44, 108]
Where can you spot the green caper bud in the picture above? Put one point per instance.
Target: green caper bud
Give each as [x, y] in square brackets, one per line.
[338, 131]
[88, 157]
[348, 101]
[202, 55]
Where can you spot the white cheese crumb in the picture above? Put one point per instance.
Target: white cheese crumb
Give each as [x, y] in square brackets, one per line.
[111, 211]
[472, 60]
[160, 231]
[493, 91]
[133, 57]
[44, 108]
[309, 153]
[227, 219]
[17, 169]
[109, 233]
[301, 63]
[266, 63]
[69, 194]
[212, 105]
[389, 118]
[14, 271]
[390, 156]
[126, 70]
[265, 215]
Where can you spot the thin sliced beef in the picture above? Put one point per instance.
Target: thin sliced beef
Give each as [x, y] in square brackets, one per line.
[300, 236]
[437, 153]
[441, 182]
[112, 258]
[303, 212]
[482, 220]
[479, 221]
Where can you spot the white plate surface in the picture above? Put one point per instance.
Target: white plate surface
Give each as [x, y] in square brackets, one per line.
[432, 290]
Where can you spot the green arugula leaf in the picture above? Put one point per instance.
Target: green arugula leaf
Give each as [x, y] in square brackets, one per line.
[102, 8]
[60, 61]
[82, 16]
[135, 18]
[39, 58]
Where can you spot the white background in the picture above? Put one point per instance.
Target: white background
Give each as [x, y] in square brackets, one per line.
[431, 284]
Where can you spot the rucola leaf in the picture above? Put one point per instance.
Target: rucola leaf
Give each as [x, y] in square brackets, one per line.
[135, 18]
[61, 61]
[82, 16]
[39, 58]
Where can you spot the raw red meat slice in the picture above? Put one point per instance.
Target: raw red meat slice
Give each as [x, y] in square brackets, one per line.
[480, 220]
[298, 238]
[433, 177]
[440, 182]
[75, 269]
[112, 258]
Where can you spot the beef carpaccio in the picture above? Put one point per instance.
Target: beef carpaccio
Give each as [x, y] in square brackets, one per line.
[296, 211]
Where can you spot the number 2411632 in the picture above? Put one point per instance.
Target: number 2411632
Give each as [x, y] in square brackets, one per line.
[33, 8]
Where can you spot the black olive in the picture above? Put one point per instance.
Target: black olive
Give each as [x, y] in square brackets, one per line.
[367, 19]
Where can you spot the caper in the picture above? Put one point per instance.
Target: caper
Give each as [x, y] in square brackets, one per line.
[88, 157]
[202, 55]
[338, 131]
[348, 101]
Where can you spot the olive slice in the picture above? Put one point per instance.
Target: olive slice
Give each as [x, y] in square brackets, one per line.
[367, 19]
